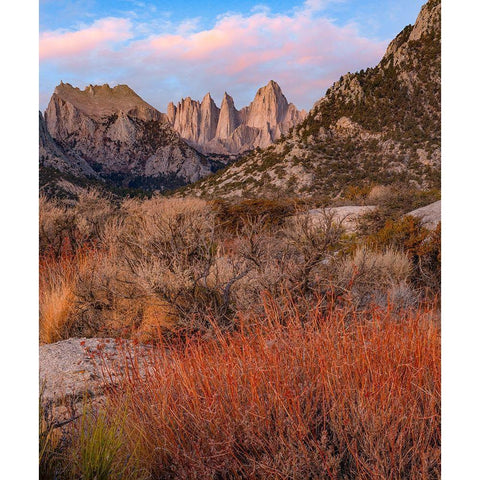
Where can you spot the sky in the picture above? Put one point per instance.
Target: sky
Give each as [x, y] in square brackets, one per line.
[166, 51]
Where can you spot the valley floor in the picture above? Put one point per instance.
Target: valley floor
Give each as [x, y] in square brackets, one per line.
[260, 339]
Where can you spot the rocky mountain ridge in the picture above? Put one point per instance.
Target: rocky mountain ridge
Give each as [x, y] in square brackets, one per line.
[118, 137]
[226, 130]
[98, 101]
[377, 126]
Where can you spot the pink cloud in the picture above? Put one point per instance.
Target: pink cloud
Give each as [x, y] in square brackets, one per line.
[58, 44]
[303, 52]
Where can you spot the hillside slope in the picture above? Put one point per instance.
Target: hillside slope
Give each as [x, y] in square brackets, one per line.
[381, 125]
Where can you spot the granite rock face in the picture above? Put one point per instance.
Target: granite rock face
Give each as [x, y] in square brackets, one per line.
[52, 155]
[231, 131]
[121, 137]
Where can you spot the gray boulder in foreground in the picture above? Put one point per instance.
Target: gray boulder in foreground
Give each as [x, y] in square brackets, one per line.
[79, 368]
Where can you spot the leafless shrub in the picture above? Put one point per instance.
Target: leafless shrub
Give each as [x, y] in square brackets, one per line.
[316, 241]
[168, 249]
[63, 226]
[56, 223]
[91, 212]
[148, 264]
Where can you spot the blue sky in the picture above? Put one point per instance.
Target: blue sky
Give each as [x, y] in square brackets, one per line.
[169, 50]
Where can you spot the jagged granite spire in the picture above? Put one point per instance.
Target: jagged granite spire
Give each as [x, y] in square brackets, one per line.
[227, 130]
[228, 119]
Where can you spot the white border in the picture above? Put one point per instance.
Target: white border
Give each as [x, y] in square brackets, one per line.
[19, 239]
[461, 240]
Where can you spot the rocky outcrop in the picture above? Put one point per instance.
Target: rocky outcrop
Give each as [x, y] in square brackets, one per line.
[231, 131]
[209, 117]
[101, 101]
[269, 107]
[346, 216]
[429, 215]
[121, 137]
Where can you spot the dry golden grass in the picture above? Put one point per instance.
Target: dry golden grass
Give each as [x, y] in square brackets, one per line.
[377, 276]
[56, 302]
[57, 278]
[157, 318]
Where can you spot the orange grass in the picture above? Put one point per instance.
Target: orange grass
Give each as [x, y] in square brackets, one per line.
[342, 394]
[57, 279]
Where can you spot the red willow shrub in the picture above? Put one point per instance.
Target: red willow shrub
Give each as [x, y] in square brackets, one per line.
[343, 394]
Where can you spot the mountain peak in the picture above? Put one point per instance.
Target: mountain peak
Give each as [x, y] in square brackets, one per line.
[103, 100]
[228, 119]
[208, 102]
[269, 106]
[273, 85]
[112, 132]
[227, 130]
[271, 88]
[378, 126]
[105, 89]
